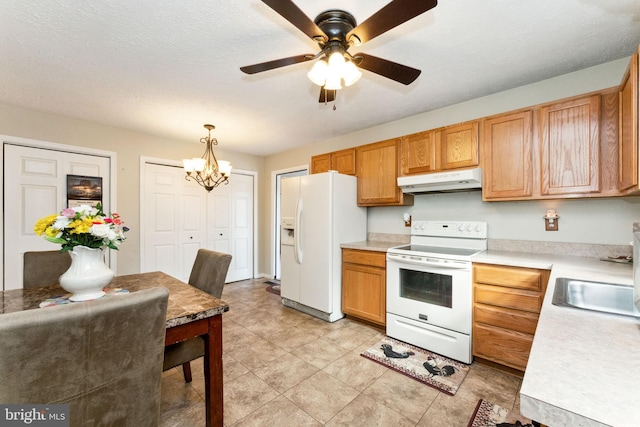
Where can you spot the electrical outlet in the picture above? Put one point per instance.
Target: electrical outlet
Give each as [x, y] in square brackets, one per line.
[551, 224]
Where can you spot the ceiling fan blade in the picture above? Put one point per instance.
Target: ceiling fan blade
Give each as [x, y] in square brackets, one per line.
[390, 16]
[391, 70]
[327, 95]
[292, 13]
[270, 65]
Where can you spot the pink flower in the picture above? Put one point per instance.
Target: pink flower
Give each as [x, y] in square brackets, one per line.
[68, 212]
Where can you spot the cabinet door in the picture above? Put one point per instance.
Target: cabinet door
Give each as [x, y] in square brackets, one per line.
[321, 163]
[344, 161]
[628, 139]
[364, 292]
[377, 166]
[570, 139]
[418, 153]
[457, 146]
[502, 346]
[507, 156]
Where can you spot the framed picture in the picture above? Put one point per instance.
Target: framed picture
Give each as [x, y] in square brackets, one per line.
[83, 190]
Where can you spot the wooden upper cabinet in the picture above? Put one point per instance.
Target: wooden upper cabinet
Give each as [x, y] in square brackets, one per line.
[343, 161]
[457, 146]
[377, 166]
[321, 163]
[628, 120]
[508, 156]
[418, 153]
[570, 146]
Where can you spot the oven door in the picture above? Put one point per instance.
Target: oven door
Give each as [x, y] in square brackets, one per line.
[431, 291]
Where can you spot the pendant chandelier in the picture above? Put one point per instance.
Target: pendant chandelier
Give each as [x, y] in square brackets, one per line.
[207, 171]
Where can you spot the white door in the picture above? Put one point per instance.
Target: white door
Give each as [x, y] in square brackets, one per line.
[175, 221]
[35, 186]
[182, 218]
[237, 237]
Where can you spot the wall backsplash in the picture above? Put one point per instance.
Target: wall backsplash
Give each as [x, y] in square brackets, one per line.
[603, 221]
[560, 248]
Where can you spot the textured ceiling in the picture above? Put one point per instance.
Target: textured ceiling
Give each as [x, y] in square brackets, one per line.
[166, 67]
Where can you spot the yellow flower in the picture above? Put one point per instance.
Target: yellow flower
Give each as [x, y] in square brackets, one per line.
[44, 223]
[80, 226]
[51, 232]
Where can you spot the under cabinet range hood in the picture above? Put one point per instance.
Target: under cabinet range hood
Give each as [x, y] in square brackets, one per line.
[457, 180]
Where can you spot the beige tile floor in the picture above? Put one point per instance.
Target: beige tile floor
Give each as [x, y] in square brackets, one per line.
[285, 368]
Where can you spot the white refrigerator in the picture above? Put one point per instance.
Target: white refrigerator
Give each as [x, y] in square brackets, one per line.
[319, 212]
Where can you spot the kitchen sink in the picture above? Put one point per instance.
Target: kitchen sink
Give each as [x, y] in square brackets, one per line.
[596, 296]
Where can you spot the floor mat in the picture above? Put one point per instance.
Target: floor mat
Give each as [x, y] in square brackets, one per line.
[432, 369]
[273, 287]
[489, 414]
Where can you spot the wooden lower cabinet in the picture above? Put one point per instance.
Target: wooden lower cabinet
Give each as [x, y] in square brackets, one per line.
[506, 306]
[364, 285]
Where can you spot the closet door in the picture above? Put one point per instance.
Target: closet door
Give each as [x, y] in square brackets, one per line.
[175, 221]
[35, 186]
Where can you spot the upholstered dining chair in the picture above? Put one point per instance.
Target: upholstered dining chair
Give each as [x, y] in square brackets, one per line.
[103, 358]
[207, 274]
[44, 268]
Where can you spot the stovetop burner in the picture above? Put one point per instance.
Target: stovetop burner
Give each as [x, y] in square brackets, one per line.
[458, 240]
[437, 250]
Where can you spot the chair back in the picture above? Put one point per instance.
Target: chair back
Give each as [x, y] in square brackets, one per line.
[210, 271]
[44, 268]
[102, 357]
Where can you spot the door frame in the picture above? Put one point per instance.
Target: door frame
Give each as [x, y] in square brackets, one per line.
[76, 149]
[144, 160]
[276, 176]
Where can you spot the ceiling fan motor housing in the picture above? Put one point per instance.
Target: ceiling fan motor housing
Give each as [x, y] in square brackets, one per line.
[336, 24]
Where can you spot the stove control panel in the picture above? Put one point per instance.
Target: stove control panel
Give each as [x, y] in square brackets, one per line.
[464, 229]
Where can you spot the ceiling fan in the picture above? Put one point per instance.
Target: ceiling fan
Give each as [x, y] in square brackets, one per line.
[336, 31]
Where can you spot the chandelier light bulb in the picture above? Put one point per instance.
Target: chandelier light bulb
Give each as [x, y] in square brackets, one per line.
[188, 165]
[224, 167]
[198, 164]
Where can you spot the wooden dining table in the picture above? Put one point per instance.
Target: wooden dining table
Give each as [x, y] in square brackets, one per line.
[190, 313]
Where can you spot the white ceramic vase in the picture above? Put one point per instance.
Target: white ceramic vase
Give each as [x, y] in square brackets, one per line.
[87, 275]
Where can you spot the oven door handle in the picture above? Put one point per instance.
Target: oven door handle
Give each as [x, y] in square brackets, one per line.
[405, 260]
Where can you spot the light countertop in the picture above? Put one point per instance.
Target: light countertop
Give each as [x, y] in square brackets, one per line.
[584, 367]
[371, 245]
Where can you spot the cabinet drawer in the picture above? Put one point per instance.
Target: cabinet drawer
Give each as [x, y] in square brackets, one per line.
[502, 346]
[521, 321]
[372, 258]
[511, 277]
[510, 298]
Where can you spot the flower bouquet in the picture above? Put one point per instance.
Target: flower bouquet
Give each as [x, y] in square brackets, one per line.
[84, 232]
[82, 226]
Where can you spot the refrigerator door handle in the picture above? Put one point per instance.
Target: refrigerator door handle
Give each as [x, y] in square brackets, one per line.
[297, 245]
